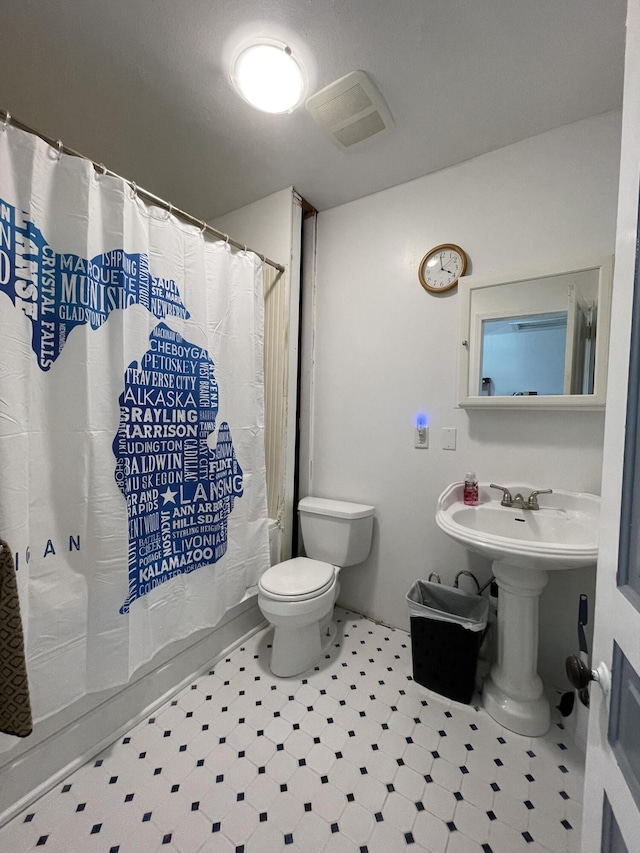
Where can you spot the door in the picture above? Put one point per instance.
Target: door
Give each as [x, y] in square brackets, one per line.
[611, 815]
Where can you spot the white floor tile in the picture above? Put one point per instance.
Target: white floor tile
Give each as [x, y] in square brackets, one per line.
[352, 757]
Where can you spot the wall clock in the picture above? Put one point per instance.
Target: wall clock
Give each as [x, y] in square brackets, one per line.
[441, 268]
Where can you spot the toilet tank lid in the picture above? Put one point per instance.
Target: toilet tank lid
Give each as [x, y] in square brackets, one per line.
[337, 509]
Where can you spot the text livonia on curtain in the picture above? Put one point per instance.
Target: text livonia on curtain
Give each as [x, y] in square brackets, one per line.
[133, 489]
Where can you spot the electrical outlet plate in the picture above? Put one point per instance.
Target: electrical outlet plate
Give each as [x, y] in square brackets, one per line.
[421, 438]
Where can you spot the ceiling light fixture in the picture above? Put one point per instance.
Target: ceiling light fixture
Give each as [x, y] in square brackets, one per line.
[267, 75]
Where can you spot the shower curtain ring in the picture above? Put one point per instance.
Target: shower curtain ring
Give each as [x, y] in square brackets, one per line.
[226, 239]
[204, 227]
[60, 149]
[169, 211]
[101, 167]
[134, 189]
[6, 120]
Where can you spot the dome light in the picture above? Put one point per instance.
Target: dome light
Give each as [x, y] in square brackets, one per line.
[267, 76]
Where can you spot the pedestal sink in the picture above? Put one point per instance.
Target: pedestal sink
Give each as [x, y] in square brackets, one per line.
[524, 545]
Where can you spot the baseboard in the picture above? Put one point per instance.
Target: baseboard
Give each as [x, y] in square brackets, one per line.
[93, 724]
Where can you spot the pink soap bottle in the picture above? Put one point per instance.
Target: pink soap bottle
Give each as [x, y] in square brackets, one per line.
[471, 489]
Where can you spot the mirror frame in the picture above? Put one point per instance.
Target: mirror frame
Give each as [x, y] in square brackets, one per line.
[470, 343]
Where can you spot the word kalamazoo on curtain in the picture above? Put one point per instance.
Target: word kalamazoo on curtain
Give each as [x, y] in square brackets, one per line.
[132, 487]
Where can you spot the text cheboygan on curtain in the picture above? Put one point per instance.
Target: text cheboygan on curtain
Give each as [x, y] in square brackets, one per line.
[132, 488]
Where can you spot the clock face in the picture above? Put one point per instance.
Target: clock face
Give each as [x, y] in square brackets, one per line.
[441, 268]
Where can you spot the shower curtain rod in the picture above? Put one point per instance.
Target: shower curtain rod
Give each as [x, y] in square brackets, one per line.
[7, 119]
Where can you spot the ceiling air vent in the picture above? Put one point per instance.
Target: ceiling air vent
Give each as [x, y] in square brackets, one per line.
[350, 110]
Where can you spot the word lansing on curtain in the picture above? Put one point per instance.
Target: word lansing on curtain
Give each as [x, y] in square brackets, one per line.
[133, 489]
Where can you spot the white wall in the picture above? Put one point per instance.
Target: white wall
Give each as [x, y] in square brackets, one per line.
[386, 349]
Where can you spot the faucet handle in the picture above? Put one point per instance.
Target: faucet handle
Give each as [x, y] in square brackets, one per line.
[532, 501]
[507, 500]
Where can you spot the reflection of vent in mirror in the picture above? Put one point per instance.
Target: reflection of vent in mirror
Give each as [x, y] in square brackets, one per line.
[524, 356]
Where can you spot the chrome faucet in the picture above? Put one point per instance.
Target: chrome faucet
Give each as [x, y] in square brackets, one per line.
[518, 501]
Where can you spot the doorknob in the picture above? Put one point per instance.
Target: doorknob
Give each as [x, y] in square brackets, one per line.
[580, 675]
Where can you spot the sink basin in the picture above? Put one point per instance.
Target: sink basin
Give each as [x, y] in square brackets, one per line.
[562, 534]
[524, 545]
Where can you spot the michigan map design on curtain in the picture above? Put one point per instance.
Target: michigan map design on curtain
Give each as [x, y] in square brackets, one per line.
[131, 422]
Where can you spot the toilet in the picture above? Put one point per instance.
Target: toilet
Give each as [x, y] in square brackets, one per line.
[297, 596]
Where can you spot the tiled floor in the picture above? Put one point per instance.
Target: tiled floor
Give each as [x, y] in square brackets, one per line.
[352, 757]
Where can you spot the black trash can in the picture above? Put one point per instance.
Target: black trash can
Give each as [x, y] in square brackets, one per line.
[447, 626]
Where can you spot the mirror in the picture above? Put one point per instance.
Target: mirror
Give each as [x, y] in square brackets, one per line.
[536, 340]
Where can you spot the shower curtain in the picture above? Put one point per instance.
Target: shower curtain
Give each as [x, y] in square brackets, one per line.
[132, 477]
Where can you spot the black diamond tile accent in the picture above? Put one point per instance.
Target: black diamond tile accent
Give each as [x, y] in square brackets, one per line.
[262, 770]
[435, 753]
[324, 779]
[95, 829]
[283, 788]
[240, 797]
[486, 849]
[566, 824]
[195, 806]
[428, 778]
[531, 753]
[564, 795]
[65, 788]
[363, 771]
[527, 837]
[215, 827]
[390, 787]
[99, 761]
[400, 762]
[241, 753]
[81, 807]
[29, 817]
[495, 786]
[220, 778]
[183, 748]
[374, 747]
[128, 798]
[562, 746]
[167, 733]
[166, 839]
[157, 771]
[408, 837]
[142, 755]
[302, 762]
[114, 849]
[335, 827]
[451, 826]
[385, 726]
[419, 806]
[464, 770]
[338, 755]
[442, 733]
[200, 762]
[458, 796]
[378, 817]
[529, 777]
[146, 817]
[468, 747]
[529, 804]
[491, 815]
[288, 839]
[263, 817]
[42, 840]
[473, 727]
[307, 806]
[562, 768]
[498, 762]
[175, 788]
[350, 798]
[279, 747]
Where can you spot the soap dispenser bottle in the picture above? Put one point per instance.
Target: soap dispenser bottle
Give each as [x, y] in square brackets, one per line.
[471, 489]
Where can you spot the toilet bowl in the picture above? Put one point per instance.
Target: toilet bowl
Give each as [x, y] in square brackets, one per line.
[298, 595]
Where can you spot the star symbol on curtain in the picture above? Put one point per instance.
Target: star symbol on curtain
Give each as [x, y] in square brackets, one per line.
[169, 496]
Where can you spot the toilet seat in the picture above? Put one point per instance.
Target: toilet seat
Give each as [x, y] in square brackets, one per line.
[297, 579]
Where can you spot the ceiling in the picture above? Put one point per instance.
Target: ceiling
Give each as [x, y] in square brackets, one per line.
[142, 86]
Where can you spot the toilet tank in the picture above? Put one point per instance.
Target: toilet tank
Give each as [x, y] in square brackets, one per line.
[336, 532]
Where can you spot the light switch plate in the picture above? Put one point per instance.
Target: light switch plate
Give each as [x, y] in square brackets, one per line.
[421, 437]
[449, 438]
